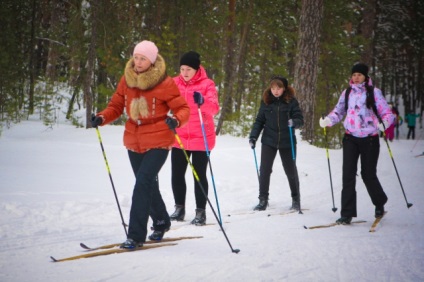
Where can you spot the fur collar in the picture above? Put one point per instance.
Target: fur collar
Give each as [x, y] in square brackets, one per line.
[148, 79]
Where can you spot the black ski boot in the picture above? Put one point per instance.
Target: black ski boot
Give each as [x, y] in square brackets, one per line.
[157, 235]
[178, 214]
[379, 211]
[263, 204]
[200, 218]
[295, 204]
[344, 220]
[131, 244]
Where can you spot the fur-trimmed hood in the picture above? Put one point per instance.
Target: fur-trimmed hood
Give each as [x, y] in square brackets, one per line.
[287, 96]
[148, 79]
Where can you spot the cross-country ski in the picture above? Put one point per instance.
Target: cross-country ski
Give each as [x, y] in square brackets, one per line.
[376, 222]
[164, 240]
[112, 251]
[332, 224]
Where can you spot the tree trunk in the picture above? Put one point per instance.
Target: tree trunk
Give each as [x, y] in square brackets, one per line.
[367, 27]
[31, 61]
[242, 56]
[229, 66]
[88, 81]
[306, 68]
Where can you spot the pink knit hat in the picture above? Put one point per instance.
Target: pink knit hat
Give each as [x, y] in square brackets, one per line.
[147, 49]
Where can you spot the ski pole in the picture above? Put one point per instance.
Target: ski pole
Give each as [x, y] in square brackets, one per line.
[408, 205]
[256, 163]
[111, 180]
[418, 139]
[294, 164]
[209, 159]
[334, 209]
[203, 190]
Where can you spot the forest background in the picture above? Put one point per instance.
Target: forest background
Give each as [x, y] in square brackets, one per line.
[83, 45]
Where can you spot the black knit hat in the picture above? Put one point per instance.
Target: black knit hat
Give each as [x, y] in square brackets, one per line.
[282, 79]
[361, 68]
[191, 59]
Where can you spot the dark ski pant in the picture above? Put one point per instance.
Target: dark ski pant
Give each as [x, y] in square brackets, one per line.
[179, 167]
[411, 132]
[369, 149]
[146, 199]
[267, 161]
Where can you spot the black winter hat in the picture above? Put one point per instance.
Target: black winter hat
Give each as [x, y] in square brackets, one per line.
[282, 79]
[191, 59]
[361, 68]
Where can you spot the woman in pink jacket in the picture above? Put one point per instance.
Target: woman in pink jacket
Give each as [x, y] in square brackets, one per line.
[201, 95]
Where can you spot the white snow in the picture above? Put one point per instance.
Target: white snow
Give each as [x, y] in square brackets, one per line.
[55, 192]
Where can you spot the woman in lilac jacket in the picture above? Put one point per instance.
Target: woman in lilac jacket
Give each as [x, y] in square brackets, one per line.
[201, 94]
[362, 126]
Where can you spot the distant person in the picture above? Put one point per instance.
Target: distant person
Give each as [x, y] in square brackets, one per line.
[390, 131]
[411, 120]
[279, 113]
[364, 108]
[200, 92]
[398, 121]
[147, 94]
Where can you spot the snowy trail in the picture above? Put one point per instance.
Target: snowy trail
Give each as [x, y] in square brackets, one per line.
[55, 193]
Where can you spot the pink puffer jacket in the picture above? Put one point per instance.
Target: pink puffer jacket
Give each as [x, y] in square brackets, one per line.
[191, 134]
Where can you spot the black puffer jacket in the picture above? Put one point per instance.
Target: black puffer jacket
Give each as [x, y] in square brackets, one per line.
[273, 117]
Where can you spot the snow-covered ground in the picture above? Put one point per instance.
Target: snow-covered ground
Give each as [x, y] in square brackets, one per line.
[55, 192]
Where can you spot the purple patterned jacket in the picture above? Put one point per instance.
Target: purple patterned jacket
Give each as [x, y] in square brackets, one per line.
[361, 121]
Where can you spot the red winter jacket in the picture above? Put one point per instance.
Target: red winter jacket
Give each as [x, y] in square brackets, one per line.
[147, 98]
[191, 134]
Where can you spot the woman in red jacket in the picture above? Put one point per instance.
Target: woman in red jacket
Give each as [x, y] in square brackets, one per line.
[200, 93]
[147, 94]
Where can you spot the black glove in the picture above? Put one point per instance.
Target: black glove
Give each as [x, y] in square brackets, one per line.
[96, 121]
[198, 98]
[252, 142]
[171, 122]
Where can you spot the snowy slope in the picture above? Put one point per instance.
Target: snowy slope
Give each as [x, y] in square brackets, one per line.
[55, 193]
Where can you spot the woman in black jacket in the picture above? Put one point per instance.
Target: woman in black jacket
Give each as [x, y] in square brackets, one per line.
[279, 110]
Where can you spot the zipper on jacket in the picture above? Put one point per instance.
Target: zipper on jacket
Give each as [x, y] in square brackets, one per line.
[278, 124]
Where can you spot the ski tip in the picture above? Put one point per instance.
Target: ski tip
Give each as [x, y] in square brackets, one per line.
[304, 226]
[84, 246]
[53, 259]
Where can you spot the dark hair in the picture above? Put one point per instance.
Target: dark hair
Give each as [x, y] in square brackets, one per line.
[370, 89]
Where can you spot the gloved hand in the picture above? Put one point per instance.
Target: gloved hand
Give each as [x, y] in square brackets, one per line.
[171, 122]
[382, 126]
[252, 143]
[324, 122]
[198, 98]
[290, 123]
[96, 121]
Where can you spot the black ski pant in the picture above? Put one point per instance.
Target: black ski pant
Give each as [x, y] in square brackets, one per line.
[179, 167]
[267, 161]
[146, 199]
[368, 148]
[411, 132]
